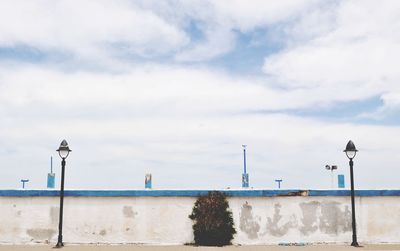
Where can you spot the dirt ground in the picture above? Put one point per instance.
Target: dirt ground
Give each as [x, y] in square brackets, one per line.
[191, 248]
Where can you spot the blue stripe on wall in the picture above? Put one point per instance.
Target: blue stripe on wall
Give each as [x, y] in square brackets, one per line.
[195, 193]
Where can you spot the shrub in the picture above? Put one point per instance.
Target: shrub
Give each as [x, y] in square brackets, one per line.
[213, 222]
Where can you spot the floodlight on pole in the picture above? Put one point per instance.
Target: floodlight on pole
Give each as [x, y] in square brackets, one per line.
[331, 168]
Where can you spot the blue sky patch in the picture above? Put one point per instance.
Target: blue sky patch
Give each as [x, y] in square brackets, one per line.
[22, 53]
[249, 53]
[349, 111]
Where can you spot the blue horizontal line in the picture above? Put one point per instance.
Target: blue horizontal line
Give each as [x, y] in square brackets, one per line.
[194, 193]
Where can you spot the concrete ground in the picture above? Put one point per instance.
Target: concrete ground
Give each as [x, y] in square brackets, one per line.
[191, 248]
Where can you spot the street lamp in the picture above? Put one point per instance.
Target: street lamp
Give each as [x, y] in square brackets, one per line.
[351, 152]
[63, 151]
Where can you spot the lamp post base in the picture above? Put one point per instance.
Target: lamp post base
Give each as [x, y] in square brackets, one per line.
[59, 244]
[355, 244]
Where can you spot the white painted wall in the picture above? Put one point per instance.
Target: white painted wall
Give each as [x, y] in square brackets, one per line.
[164, 220]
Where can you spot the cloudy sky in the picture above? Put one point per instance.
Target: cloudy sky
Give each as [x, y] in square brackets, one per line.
[174, 88]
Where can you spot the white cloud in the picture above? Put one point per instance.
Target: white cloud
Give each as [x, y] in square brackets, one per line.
[245, 16]
[186, 124]
[355, 53]
[221, 19]
[390, 107]
[98, 31]
[89, 29]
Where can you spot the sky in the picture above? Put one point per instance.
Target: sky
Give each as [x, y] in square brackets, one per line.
[174, 88]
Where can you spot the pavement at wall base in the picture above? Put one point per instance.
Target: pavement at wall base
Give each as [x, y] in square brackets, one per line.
[283, 247]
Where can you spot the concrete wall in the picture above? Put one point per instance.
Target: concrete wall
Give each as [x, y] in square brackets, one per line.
[161, 217]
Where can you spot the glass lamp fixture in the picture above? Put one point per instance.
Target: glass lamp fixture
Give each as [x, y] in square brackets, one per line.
[350, 150]
[63, 150]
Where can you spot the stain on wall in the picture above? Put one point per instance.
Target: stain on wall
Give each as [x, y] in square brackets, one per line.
[54, 212]
[333, 220]
[247, 222]
[128, 212]
[259, 220]
[41, 233]
[310, 219]
[18, 213]
[273, 226]
[326, 217]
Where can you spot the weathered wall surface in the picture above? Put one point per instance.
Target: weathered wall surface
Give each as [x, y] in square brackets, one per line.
[164, 220]
[315, 219]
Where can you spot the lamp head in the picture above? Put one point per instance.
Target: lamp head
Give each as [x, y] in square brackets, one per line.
[350, 150]
[63, 150]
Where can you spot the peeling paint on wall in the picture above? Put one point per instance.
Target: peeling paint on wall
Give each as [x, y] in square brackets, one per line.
[247, 222]
[309, 220]
[273, 226]
[128, 212]
[41, 233]
[258, 220]
[333, 220]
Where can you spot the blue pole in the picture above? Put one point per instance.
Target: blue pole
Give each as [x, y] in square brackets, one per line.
[244, 159]
[245, 176]
[23, 183]
[279, 183]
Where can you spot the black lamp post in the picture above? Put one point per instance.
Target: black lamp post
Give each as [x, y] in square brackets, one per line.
[351, 152]
[63, 151]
